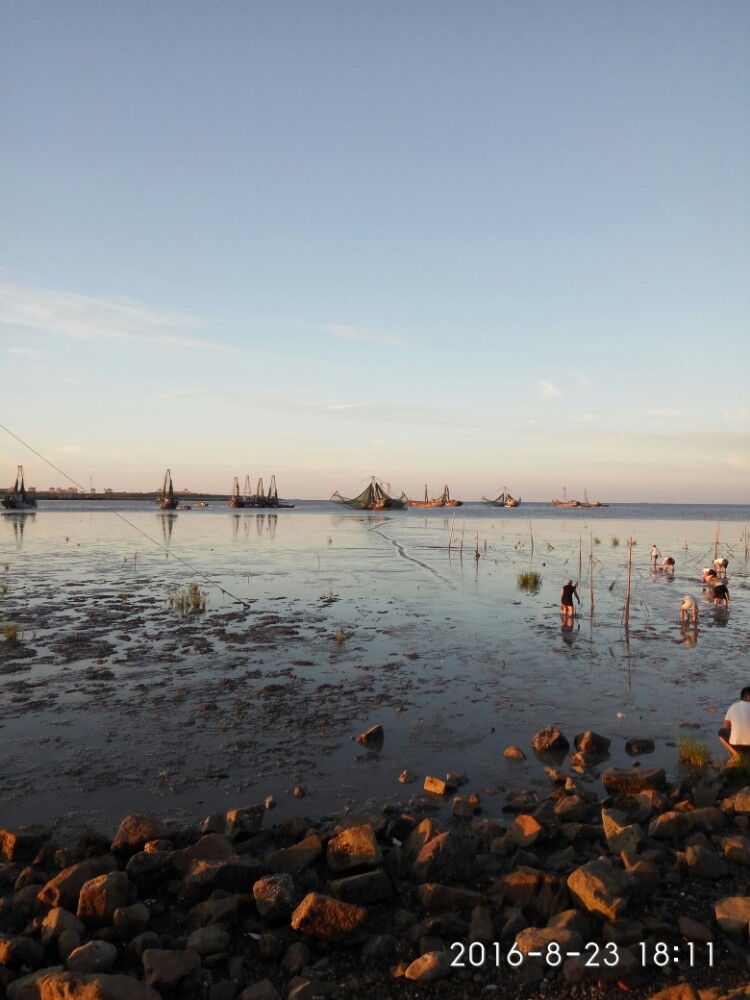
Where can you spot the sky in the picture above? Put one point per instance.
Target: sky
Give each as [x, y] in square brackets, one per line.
[490, 244]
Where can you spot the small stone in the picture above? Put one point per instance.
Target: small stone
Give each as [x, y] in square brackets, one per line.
[436, 786]
[372, 736]
[514, 753]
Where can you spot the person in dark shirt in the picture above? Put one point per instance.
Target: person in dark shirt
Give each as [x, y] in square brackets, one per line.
[566, 598]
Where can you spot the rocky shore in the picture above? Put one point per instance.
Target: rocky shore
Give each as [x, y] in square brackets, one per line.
[606, 883]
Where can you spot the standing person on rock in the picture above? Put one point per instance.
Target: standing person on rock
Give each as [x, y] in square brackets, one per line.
[735, 735]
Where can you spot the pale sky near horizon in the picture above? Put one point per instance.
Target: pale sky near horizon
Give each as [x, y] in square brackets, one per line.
[486, 244]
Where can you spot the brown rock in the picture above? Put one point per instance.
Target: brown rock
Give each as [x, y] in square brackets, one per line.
[212, 847]
[630, 781]
[540, 891]
[22, 843]
[233, 875]
[275, 897]
[101, 896]
[94, 956]
[446, 858]
[428, 968]
[63, 890]
[57, 921]
[524, 831]
[733, 915]
[421, 835]
[550, 740]
[601, 888]
[682, 991]
[436, 786]
[592, 743]
[262, 990]
[326, 918]
[298, 857]
[621, 835]
[244, 822]
[435, 898]
[54, 984]
[135, 830]
[165, 968]
[365, 888]
[692, 930]
[372, 736]
[354, 849]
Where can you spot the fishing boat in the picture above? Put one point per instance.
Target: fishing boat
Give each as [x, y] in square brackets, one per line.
[374, 497]
[565, 502]
[591, 503]
[166, 499]
[235, 500]
[266, 500]
[19, 498]
[444, 500]
[504, 500]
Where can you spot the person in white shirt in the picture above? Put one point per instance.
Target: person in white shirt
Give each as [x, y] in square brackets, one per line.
[736, 732]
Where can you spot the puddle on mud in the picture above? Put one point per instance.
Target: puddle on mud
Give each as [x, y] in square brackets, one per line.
[321, 625]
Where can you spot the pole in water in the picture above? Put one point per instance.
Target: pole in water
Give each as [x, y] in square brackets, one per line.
[626, 612]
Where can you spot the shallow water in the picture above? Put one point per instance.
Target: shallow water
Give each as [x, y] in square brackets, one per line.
[123, 705]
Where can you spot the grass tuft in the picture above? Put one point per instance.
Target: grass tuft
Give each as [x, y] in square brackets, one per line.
[340, 636]
[530, 581]
[692, 753]
[615, 540]
[190, 600]
[11, 632]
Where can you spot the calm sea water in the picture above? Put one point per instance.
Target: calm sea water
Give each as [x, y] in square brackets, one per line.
[121, 705]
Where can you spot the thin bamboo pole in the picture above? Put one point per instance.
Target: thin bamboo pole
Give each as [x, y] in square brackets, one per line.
[591, 573]
[626, 613]
[450, 540]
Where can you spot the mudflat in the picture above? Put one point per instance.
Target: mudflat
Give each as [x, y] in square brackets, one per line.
[318, 626]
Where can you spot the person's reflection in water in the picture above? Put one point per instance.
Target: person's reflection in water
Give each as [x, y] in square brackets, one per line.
[566, 631]
[689, 634]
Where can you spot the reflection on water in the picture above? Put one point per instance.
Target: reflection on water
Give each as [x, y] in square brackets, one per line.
[17, 521]
[167, 520]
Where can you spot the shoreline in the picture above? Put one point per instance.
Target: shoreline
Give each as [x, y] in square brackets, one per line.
[650, 876]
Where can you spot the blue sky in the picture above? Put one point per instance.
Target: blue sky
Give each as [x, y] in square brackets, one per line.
[489, 244]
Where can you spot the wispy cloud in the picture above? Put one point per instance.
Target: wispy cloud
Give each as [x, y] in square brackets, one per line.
[738, 461]
[372, 411]
[363, 333]
[86, 317]
[24, 352]
[344, 406]
[660, 413]
[547, 390]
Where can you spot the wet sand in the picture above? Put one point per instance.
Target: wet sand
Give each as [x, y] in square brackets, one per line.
[320, 625]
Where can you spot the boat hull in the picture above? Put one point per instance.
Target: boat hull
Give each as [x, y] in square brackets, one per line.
[14, 502]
